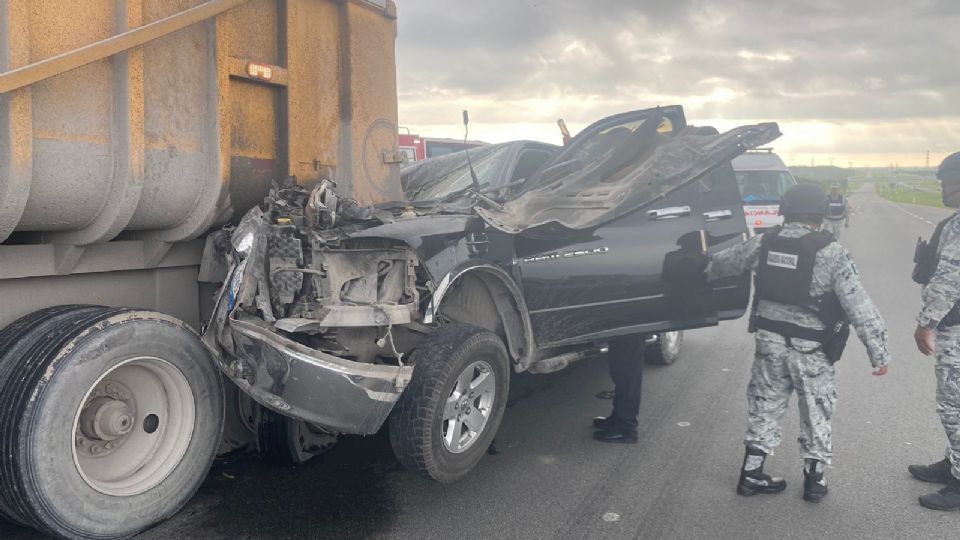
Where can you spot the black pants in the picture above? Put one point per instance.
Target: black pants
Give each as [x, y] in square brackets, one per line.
[626, 369]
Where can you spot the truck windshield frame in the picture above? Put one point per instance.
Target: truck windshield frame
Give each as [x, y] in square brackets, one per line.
[487, 163]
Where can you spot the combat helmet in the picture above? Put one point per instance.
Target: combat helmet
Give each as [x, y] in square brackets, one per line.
[949, 170]
[804, 200]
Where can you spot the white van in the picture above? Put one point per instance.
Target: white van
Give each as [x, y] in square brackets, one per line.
[763, 179]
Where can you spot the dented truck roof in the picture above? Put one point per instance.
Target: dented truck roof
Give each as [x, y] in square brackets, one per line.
[613, 167]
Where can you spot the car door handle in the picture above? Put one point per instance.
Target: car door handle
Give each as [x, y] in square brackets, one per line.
[669, 213]
[717, 215]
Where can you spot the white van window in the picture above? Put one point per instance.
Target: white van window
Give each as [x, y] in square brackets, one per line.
[764, 186]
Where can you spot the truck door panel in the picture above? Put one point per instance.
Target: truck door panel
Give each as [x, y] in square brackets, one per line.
[631, 275]
[722, 207]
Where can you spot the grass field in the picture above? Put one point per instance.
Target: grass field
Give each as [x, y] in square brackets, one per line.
[905, 195]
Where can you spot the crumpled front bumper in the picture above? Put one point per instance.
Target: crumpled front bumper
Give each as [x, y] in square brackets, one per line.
[300, 382]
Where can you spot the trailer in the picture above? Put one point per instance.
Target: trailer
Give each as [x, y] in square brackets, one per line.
[128, 130]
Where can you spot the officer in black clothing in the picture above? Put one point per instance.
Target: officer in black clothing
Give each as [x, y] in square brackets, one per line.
[687, 290]
[625, 356]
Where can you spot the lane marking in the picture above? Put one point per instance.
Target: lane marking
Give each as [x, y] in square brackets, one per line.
[909, 213]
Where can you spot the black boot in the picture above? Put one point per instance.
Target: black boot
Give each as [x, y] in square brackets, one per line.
[603, 422]
[814, 483]
[938, 473]
[617, 433]
[752, 478]
[947, 498]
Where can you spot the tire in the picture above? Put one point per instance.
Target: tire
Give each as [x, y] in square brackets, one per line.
[109, 419]
[665, 350]
[239, 421]
[285, 441]
[425, 434]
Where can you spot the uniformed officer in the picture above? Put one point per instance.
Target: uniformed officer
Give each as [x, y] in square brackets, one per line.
[807, 288]
[938, 332]
[625, 356]
[837, 212]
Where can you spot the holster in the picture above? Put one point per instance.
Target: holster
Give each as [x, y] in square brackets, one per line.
[925, 262]
[836, 341]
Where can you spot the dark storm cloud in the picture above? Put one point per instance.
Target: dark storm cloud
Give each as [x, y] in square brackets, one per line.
[788, 60]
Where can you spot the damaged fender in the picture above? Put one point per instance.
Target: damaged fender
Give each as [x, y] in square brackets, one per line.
[511, 307]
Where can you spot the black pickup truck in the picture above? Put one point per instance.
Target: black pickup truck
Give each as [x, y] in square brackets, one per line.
[520, 256]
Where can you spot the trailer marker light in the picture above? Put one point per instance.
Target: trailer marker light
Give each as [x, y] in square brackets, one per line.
[259, 71]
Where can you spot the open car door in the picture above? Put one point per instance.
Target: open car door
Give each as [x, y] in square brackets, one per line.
[611, 232]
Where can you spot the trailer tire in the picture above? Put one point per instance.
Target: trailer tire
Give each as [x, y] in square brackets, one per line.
[665, 350]
[109, 419]
[460, 371]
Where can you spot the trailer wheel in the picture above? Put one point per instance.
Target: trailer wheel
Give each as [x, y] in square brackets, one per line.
[285, 441]
[665, 350]
[446, 419]
[109, 419]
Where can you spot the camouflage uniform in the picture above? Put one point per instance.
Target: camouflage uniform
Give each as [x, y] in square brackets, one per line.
[939, 297]
[835, 226]
[779, 369]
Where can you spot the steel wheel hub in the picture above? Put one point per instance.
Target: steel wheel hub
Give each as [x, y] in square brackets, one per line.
[134, 426]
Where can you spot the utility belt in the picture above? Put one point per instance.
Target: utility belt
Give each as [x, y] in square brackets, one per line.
[832, 340]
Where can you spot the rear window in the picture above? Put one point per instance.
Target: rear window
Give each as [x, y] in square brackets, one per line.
[764, 186]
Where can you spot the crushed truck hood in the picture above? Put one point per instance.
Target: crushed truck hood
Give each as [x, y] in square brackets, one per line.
[640, 170]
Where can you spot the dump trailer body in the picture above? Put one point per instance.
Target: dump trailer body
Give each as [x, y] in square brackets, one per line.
[130, 128]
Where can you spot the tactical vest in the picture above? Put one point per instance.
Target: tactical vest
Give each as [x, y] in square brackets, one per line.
[784, 274]
[926, 258]
[837, 209]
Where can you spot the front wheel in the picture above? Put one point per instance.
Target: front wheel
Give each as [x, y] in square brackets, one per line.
[448, 416]
[111, 418]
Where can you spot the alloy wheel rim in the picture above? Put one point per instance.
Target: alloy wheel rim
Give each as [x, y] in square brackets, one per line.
[671, 341]
[468, 407]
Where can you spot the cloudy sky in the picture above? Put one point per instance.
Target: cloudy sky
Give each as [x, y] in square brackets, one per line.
[871, 82]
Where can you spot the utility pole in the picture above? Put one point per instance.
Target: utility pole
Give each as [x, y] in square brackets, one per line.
[928, 159]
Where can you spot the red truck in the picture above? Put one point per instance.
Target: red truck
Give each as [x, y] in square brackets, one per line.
[417, 148]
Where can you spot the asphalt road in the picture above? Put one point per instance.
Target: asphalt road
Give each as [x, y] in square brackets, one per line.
[550, 480]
